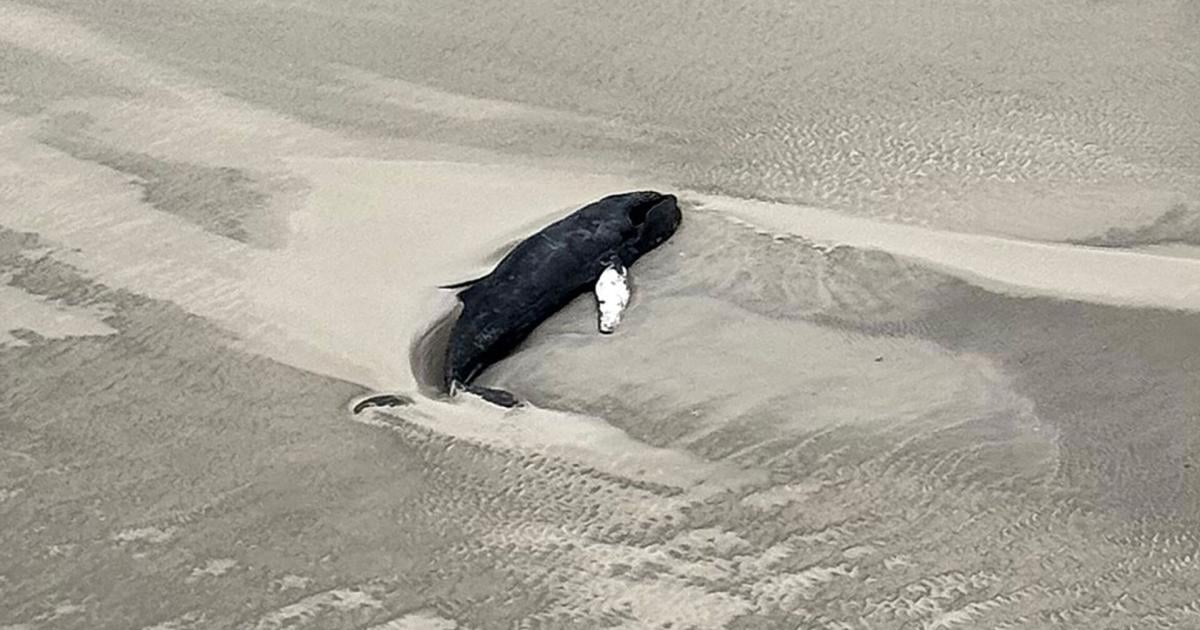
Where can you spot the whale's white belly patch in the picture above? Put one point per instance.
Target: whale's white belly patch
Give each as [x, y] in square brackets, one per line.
[612, 296]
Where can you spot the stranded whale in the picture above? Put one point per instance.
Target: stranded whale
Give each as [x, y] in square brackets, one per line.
[589, 249]
[544, 273]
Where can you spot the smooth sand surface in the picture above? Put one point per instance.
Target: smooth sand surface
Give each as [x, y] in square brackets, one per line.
[1107, 276]
[946, 377]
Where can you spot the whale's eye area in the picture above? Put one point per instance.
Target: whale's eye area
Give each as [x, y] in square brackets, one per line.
[637, 216]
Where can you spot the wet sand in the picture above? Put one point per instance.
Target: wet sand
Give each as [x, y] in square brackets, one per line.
[924, 353]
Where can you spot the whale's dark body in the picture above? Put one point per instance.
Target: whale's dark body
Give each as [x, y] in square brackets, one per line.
[544, 273]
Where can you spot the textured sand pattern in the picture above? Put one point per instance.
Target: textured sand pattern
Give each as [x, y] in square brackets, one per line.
[1014, 117]
[221, 223]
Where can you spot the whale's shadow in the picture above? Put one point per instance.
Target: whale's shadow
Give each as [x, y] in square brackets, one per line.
[427, 353]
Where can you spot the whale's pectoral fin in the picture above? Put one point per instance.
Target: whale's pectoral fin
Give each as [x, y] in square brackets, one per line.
[492, 395]
[382, 400]
[612, 296]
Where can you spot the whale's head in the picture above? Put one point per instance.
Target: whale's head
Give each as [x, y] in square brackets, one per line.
[646, 220]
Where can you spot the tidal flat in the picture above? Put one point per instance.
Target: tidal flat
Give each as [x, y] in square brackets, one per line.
[925, 352]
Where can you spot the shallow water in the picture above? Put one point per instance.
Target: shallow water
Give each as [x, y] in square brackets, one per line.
[950, 380]
[1017, 118]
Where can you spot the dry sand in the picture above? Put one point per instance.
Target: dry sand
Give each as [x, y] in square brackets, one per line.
[896, 395]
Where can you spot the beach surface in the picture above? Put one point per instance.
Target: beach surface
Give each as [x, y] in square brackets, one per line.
[924, 353]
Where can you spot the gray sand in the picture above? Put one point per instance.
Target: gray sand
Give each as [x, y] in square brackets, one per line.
[949, 379]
